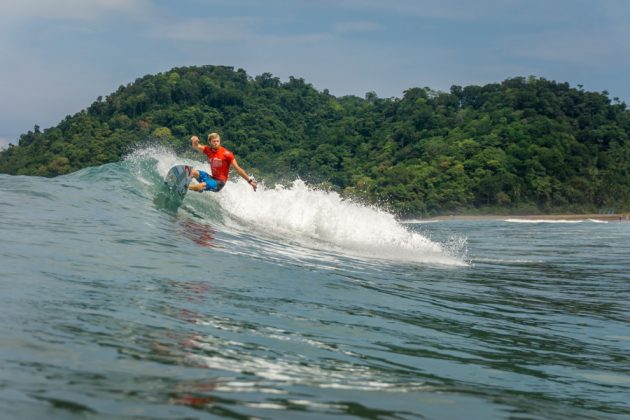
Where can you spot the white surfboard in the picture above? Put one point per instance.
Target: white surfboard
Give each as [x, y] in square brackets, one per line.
[178, 178]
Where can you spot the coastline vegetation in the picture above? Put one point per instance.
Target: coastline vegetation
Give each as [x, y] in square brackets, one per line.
[525, 145]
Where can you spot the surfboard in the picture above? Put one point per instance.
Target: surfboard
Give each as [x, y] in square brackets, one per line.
[178, 178]
[173, 190]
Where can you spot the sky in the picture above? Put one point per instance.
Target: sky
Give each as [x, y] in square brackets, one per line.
[58, 56]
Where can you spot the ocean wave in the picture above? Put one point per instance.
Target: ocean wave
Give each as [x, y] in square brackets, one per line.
[299, 219]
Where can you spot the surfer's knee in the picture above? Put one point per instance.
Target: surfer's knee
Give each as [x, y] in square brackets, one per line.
[197, 187]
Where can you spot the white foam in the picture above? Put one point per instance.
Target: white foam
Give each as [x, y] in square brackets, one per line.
[560, 221]
[166, 158]
[288, 369]
[324, 218]
[418, 222]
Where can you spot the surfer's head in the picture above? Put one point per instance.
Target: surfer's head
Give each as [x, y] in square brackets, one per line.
[214, 140]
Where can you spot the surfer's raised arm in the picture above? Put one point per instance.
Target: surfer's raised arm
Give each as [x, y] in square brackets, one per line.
[195, 144]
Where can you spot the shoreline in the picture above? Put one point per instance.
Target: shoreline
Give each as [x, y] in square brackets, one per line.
[617, 217]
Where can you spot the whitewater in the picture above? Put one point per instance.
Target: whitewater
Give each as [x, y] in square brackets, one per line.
[293, 302]
[310, 220]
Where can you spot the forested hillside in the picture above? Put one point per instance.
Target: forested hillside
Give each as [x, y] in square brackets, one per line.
[526, 144]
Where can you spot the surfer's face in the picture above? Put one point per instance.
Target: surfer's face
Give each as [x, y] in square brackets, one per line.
[215, 142]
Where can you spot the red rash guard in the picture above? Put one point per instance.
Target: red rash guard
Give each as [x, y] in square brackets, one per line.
[220, 161]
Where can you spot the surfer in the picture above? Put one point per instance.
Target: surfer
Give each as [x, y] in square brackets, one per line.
[220, 160]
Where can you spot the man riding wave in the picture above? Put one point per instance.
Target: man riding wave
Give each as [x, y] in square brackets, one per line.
[220, 160]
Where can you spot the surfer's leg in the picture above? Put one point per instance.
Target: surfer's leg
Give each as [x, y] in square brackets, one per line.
[202, 179]
[197, 187]
[212, 185]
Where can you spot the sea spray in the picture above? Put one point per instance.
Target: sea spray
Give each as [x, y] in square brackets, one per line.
[320, 218]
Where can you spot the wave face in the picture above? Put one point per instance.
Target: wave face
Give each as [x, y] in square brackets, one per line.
[291, 302]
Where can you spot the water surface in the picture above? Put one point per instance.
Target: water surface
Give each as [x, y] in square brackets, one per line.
[293, 303]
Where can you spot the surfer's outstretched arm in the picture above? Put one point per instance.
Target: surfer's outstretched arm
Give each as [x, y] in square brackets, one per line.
[251, 181]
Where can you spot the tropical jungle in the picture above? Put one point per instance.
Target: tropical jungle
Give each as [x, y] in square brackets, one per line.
[524, 145]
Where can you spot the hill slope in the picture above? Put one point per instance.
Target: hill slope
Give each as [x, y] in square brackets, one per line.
[520, 145]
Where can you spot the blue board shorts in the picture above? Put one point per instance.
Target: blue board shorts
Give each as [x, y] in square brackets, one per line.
[211, 183]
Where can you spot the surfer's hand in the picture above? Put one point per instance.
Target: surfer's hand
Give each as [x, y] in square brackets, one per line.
[195, 139]
[253, 183]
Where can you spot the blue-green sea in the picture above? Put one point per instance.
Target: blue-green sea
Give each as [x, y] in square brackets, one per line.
[293, 303]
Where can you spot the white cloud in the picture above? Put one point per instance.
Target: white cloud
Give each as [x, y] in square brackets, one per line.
[358, 26]
[304, 40]
[501, 11]
[251, 33]
[71, 9]
[206, 30]
[440, 9]
[593, 49]
[250, 30]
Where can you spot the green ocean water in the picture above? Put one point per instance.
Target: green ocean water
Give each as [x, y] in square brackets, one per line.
[291, 303]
